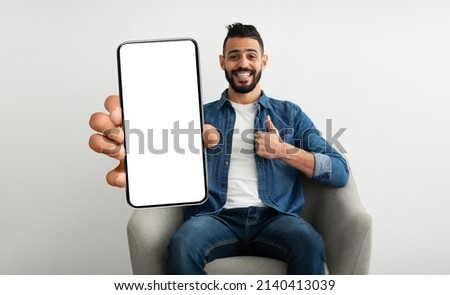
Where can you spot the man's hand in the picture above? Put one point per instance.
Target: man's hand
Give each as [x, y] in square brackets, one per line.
[110, 139]
[269, 144]
[211, 136]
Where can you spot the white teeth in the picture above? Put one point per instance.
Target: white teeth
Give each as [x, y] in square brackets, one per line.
[244, 75]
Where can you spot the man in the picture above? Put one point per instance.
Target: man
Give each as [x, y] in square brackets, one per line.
[257, 148]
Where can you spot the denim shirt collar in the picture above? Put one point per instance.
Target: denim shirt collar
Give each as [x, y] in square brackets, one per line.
[263, 100]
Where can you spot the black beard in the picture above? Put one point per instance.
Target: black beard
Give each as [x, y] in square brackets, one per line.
[243, 89]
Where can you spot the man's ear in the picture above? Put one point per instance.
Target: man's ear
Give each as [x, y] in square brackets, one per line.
[222, 61]
[264, 61]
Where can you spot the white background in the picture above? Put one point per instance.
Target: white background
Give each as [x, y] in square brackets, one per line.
[378, 68]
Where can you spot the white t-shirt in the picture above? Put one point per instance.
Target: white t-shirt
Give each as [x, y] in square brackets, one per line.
[242, 176]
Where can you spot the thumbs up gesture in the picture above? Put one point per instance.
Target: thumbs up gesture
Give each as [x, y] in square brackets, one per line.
[269, 144]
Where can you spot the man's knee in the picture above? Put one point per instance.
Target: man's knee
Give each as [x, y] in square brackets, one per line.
[301, 234]
[188, 235]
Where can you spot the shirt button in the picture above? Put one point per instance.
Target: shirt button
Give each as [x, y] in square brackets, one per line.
[226, 163]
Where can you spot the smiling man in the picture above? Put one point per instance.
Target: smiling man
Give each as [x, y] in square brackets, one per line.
[255, 191]
[257, 149]
[243, 77]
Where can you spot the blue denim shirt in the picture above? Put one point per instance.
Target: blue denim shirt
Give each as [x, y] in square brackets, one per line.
[279, 184]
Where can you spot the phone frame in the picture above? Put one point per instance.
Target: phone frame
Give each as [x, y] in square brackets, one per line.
[200, 106]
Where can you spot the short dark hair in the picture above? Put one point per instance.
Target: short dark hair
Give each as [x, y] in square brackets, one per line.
[243, 31]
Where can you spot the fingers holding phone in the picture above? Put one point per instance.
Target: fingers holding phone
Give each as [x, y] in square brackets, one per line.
[117, 176]
[109, 140]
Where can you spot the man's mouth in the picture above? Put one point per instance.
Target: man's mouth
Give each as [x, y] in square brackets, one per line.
[243, 74]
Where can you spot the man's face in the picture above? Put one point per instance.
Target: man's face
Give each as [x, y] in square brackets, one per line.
[243, 62]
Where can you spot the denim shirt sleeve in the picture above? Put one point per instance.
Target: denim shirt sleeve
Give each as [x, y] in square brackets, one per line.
[330, 166]
[322, 164]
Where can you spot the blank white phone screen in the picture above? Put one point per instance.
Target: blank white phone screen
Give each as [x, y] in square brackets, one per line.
[162, 119]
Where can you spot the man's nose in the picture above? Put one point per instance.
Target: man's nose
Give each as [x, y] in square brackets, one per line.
[243, 62]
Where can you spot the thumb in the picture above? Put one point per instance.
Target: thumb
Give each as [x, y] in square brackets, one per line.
[211, 136]
[270, 126]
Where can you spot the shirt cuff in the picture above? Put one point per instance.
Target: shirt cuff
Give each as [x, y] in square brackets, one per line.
[322, 164]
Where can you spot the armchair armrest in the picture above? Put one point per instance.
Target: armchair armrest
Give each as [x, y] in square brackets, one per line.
[149, 232]
[344, 224]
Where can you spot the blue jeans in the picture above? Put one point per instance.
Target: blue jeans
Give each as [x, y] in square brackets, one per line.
[246, 231]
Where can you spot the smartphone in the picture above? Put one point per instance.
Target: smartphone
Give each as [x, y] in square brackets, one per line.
[160, 94]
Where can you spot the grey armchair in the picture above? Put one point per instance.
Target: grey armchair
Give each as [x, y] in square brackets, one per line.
[337, 213]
